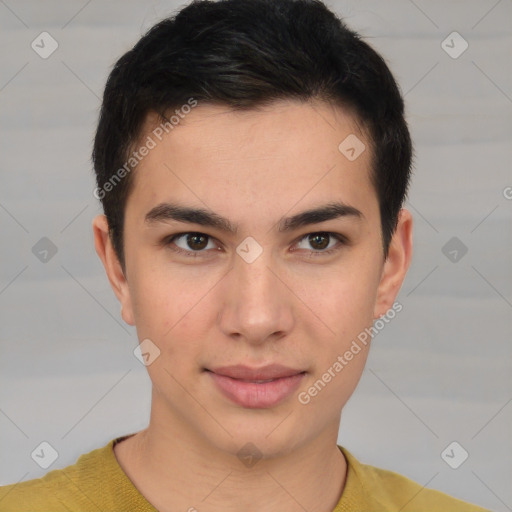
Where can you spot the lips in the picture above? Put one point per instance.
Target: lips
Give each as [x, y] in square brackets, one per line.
[256, 387]
[265, 373]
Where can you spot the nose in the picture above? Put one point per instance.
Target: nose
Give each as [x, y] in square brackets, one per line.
[257, 305]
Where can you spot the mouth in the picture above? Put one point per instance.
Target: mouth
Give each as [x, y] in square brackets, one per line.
[256, 388]
[262, 374]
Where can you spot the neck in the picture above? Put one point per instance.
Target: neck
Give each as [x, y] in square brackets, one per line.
[175, 468]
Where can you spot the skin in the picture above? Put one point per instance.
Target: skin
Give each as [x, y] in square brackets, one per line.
[289, 306]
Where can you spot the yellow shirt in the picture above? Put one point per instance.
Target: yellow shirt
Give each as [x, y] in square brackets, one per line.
[96, 482]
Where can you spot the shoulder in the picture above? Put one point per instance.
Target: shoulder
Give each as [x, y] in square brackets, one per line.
[70, 488]
[391, 491]
[31, 496]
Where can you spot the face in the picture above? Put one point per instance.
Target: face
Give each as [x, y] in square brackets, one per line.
[255, 280]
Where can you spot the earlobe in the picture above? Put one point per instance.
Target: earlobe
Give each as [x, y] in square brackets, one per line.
[113, 269]
[396, 264]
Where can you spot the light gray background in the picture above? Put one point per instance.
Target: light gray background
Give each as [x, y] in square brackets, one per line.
[441, 371]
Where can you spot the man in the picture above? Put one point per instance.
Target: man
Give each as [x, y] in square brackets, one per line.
[252, 159]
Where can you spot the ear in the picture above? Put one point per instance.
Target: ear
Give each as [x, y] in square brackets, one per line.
[115, 274]
[396, 264]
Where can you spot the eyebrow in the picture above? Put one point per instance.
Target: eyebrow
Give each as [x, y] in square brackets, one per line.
[168, 212]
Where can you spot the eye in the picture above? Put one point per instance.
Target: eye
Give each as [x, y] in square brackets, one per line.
[194, 243]
[320, 242]
[191, 243]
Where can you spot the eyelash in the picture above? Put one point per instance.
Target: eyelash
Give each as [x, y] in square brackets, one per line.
[195, 254]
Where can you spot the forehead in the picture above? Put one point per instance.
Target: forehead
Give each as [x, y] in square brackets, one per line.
[285, 153]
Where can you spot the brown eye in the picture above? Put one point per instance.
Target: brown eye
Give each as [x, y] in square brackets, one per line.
[197, 241]
[322, 243]
[319, 241]
[190, 243]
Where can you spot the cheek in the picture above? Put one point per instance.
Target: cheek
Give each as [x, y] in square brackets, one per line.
[170, 309]
[160, 316]
[338, 358]
[340, 303]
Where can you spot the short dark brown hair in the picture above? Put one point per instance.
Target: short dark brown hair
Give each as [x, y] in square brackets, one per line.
[245, 54]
